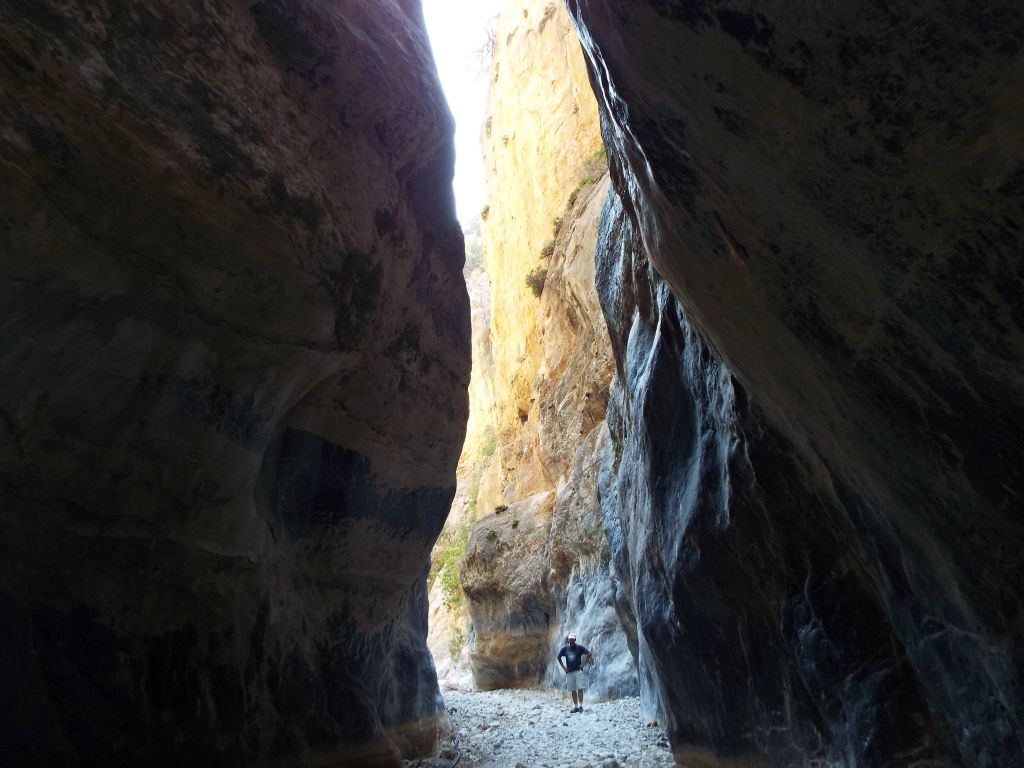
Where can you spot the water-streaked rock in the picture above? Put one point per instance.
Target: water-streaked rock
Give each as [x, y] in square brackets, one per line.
[816, 466]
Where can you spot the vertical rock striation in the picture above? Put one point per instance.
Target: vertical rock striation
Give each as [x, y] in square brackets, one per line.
[234, 345]
[758, 632]
[814, 482]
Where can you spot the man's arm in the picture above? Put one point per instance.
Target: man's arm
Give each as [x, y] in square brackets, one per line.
[558, 658]
[584, 659]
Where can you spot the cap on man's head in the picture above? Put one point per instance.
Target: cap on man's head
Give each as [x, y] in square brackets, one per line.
[572, 637]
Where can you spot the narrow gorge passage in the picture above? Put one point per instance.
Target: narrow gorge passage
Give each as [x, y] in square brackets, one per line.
[744, 302]
[718, 352]
[535, 729]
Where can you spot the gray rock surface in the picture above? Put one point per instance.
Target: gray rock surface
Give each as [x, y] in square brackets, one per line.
[584, 600]
[506, 728]
[815, 483]
[234, 350]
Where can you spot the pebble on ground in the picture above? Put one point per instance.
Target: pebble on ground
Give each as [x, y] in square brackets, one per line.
[535, 729]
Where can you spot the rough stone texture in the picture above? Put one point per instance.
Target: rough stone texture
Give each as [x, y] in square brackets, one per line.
[234, 350]
[583, 584]
[533, 729]
[530, 464]
[753, 616]
[541, 126]
[482, 402]
[448, 639]
[819, 544]
[537, 566]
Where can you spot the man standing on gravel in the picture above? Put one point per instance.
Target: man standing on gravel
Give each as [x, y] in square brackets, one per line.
[572, 666]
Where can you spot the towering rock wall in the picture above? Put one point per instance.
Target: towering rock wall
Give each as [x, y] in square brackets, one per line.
[535, 562]
[814, 482]
[234, 345]
[540, 128]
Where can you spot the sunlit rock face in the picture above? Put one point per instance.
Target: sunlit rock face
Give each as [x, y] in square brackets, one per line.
[540, 128]
[814, 487]
[535, 564]
[234, 350]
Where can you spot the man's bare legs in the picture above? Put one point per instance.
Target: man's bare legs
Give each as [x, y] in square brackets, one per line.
[574, 702]
[581, 698]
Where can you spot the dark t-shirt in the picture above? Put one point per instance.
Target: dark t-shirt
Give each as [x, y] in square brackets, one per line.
[573, 656]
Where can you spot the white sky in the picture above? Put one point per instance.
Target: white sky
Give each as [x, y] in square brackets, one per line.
[457, 28]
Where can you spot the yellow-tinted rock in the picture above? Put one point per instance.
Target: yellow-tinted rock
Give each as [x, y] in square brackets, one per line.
[536, 431]
[541, 127]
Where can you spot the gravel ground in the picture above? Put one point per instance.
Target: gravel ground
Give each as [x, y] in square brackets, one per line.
[534, 729]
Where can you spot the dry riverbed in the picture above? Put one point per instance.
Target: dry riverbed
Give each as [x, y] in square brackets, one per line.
[534, 729]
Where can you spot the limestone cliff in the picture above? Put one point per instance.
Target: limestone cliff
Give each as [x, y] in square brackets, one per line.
[814, 483]
[540, 129]
[528, 475]
[234, 349]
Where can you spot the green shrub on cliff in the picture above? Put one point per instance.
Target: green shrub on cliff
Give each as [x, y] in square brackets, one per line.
[489, 444]
[591, 171]
[474, 494]
[474, 248]
[447, 559]
[535, 279]
[455, 643]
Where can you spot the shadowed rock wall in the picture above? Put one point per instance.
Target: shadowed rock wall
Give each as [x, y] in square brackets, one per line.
[748, 602]
[820, 540]
[234, 345]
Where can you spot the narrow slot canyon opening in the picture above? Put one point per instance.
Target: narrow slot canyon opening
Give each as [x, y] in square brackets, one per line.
[523, 560]
[720, 535]
[745, 412]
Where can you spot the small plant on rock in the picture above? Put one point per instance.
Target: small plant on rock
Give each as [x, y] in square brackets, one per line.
[535, 279]
[548, 249]
[500, 508]
[491, 534]
[455, 643]
[489, 444]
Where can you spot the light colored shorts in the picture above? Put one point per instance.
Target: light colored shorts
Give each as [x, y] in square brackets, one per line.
[573, 681]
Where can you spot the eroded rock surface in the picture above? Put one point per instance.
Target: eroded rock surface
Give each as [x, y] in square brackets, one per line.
[814, 486]
[536, 564]
[234, 344]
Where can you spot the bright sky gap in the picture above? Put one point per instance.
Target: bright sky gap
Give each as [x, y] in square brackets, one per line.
[458, 31]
